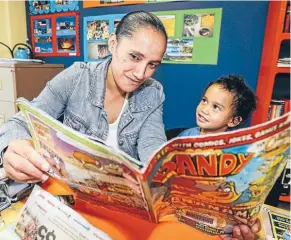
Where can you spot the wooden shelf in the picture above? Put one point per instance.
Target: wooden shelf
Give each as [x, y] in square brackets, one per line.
[270, 55]
[283, 69]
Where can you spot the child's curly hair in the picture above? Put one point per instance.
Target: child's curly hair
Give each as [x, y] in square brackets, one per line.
[244, 100]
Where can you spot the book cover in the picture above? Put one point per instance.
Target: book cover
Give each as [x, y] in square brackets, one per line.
[210, 182]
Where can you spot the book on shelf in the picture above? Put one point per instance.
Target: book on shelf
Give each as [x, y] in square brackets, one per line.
[278, 107]
[283, 62]
[286, 180]
[287, 20]
[209, 182]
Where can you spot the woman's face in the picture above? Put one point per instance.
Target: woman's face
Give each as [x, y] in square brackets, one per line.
[135, 59]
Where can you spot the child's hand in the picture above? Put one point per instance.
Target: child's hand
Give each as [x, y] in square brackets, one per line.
[244, 232]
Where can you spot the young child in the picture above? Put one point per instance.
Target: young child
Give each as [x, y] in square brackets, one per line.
[226, 104]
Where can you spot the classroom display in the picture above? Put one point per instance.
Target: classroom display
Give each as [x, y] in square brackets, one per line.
[52, 6]
[96, 34]
[210, 182]
[55, 34]
[109, 3]
[193, 35]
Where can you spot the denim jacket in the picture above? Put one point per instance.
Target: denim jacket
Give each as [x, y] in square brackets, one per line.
[77, 94]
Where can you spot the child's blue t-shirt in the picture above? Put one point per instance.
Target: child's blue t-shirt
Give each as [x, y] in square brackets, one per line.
[190, 132]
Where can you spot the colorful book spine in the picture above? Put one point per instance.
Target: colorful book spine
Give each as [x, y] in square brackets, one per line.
[287, 20]
[278, 107]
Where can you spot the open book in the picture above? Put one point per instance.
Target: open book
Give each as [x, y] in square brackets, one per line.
[276, 223]
[208, 182]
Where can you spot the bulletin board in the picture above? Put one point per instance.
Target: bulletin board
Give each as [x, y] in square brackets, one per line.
[96, 33]
[55, 34]
[110, 3]
[193, 35]
[52, 6]
[163, 1]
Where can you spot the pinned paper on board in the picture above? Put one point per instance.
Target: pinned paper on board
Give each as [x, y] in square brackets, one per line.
[55, 34]
[52, 6]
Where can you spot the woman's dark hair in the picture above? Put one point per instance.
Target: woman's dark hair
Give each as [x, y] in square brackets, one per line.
[244, 100]
[133, 21]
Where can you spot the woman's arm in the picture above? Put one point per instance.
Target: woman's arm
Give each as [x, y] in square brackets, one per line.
[52, 100]
[21, 162]
[152, 134]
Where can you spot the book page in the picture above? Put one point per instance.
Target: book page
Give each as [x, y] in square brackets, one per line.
[214, 182]
[275, 223]
[45, 217]
[96, 173]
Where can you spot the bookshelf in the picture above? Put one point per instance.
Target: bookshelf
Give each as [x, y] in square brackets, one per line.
[273, 81]
[269, 72]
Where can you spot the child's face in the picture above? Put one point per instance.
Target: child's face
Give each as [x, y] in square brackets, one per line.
[214, 113]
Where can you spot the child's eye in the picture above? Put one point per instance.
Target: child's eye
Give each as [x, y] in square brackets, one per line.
[203, 100]
[134, 57]
[216, 107]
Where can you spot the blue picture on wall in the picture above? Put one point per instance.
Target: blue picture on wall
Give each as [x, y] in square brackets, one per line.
[52, 6]
[55, 34]
[97, 30]
[43, 36]
[66, 33]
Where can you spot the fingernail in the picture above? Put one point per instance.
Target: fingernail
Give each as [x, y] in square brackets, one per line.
[44, 177]
[45, 167]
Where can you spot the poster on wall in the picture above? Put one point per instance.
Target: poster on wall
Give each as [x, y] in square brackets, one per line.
[163, 1]
[179, 50]
[193, 35]
[55, 34]
[42, 35]
[52, 6]
[96, 34]
[169, 22]
[109, 3]
[198, 25]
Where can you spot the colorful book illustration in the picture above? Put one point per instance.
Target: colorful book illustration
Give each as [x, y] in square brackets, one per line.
[209, 182]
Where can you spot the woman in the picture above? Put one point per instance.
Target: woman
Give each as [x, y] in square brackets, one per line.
[116, 100]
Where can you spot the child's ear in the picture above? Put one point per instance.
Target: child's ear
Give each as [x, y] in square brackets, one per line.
[235, 122]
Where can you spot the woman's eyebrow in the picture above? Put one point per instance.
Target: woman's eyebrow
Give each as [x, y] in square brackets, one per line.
[137, 53]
